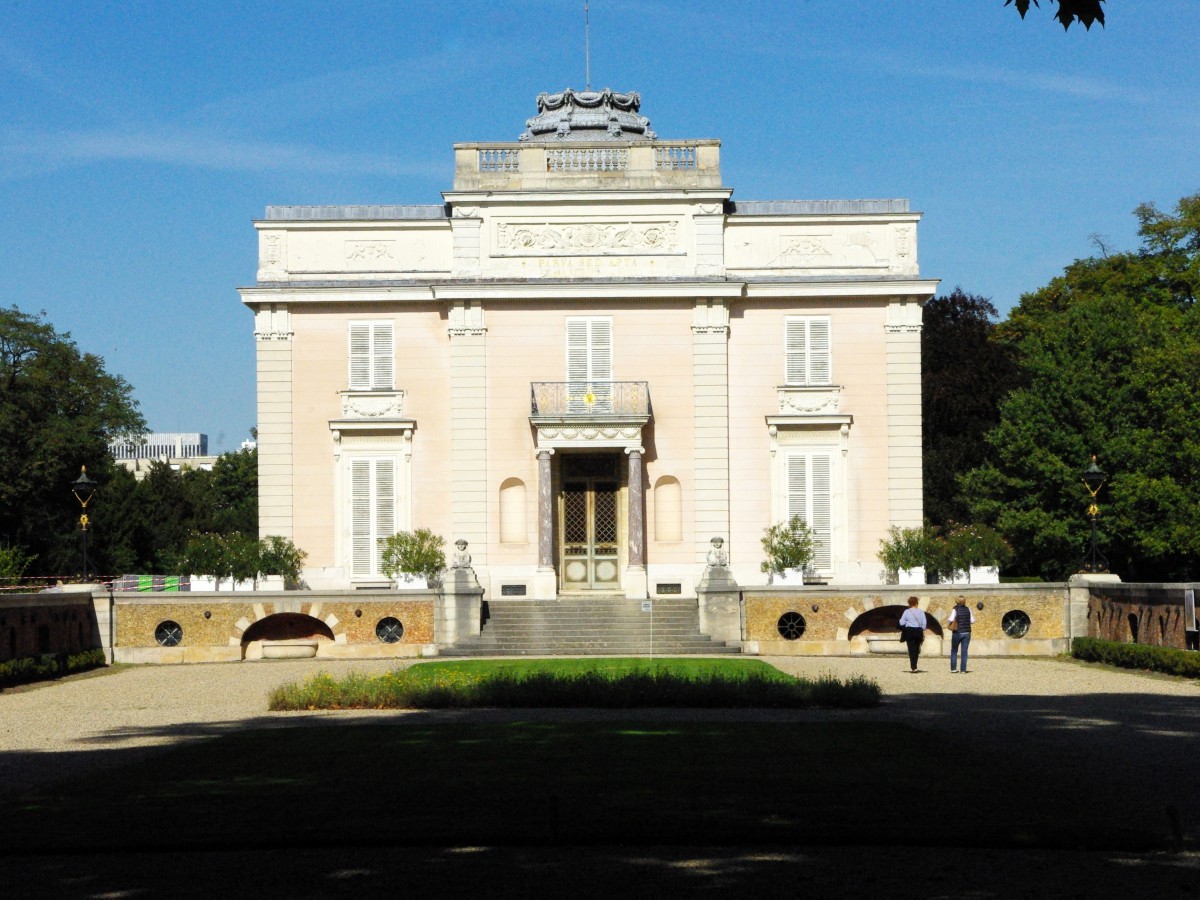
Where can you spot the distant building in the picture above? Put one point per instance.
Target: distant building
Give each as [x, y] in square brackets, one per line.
[179, 450]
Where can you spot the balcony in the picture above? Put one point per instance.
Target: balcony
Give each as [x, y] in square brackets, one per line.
[608, 165]
[589, 401]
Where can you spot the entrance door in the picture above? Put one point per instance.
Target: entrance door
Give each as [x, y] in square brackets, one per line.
[588, 519]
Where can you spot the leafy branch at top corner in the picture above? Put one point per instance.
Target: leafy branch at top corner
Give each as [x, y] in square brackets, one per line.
[1084, 11]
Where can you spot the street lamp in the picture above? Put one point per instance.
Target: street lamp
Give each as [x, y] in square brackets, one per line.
[1093, 480]
[83, 488]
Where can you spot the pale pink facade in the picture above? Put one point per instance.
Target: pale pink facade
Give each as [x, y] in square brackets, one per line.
[587, 362]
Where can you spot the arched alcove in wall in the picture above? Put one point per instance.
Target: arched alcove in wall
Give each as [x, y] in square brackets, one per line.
[886, 620]
[286, 627]
[513, 512]
[668, 509]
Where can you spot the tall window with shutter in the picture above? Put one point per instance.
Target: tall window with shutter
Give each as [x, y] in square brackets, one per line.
[808, 350]
[589, 362]
[810, 496]
[372, 356]
[372, 511]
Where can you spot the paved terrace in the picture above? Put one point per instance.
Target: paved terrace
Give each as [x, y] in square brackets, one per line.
[1131, 737]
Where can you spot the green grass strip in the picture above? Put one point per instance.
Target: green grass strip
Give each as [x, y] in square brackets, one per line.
[588, 683]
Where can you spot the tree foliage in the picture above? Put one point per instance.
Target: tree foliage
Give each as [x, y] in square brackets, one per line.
[59, 408]
[965, 373]
[1083, 11]
[1110, 351]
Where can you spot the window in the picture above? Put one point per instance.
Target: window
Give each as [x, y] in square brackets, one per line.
[372, 512]
[371, 356]
[808, 350]
[589, 362]
[810, 496]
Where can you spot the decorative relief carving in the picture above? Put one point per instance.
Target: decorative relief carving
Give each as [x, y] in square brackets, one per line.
[272, 255]
[831, 249]
[370, 251]
[372, 404]
[809, 401]
[904, 242]
[528, 239]
[903, 329]
[590, 433]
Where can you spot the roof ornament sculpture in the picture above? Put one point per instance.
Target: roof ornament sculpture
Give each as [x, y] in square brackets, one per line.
[588, 116]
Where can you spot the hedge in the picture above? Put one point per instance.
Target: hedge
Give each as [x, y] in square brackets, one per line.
[1137, 656]
[49, 665]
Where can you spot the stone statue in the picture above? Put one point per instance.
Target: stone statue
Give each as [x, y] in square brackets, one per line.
[460, 559]
[717, 554]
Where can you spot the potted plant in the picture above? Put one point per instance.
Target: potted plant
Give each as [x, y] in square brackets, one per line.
[789, 549]
[906, 553]
[414, 558]
[974, 554]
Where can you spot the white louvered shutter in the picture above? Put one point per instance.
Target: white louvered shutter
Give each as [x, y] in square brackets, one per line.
[382, 357]
[385, 506]
[808, 351]
[821, 504]
[362, 552]
[360, 356]
[810, 496]
[819, 352]
[796, 348]
[372, 356]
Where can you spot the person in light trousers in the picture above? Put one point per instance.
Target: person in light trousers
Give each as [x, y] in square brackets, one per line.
[960, 621]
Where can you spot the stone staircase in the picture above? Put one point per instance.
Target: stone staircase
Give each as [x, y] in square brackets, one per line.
[574, 625]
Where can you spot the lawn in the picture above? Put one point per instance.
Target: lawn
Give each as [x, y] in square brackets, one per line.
[612, 683]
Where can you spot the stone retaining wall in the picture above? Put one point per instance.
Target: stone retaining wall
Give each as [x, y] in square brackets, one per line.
[1139, 613]
[46, 624]
[842, 621]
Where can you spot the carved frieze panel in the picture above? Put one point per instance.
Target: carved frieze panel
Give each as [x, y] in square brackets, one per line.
[372, 404]
[522, 238]
[272, 255]
[809, 401]
[842, 248]
[370, 251]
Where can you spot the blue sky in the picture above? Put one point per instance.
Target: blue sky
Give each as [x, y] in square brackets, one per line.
[138, 141]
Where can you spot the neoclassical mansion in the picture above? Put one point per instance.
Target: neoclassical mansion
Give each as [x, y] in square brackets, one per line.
[587, 361]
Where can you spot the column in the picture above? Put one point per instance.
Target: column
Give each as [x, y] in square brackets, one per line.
[545, 580]
[637, 509]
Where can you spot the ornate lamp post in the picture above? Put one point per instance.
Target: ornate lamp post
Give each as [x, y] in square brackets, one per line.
[1093, 480]
[83, 488]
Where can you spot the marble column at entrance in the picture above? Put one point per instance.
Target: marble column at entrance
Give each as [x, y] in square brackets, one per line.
[545, 580]
[635, 574]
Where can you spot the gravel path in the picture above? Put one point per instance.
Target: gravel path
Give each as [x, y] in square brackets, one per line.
[1130, 734]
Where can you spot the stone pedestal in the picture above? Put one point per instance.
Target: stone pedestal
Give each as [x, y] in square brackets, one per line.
[720, 601]
[461, 606]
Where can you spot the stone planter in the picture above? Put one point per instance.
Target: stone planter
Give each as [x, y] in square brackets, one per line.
[788, 578]
[291, 649]
[915, 575]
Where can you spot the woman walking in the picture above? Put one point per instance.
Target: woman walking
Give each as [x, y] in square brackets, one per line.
[912, 630]
[960, 621]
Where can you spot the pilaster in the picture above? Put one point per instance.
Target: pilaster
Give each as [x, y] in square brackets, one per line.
[273, 349]
[468, 424]
[903, 361]
[710, 379]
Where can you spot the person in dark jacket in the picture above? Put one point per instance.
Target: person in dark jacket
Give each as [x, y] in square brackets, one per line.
[960, 621]
[912, 630]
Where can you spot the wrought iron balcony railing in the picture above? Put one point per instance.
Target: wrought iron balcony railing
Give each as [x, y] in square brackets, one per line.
[589, 399]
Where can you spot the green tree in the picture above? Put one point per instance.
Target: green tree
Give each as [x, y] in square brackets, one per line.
[59, 408]
[1110, 350]
[965, 373]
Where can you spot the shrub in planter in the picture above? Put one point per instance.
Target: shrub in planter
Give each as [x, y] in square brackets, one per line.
[905, 549]
[416, 553]
[788, 545]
